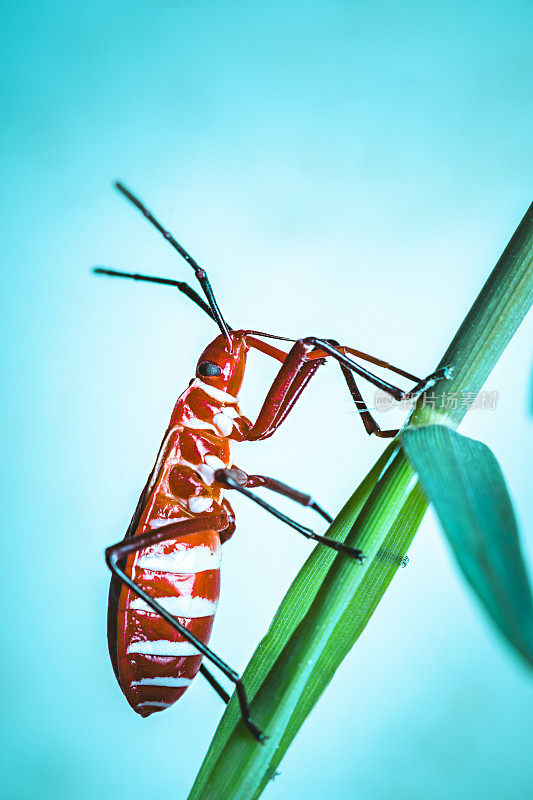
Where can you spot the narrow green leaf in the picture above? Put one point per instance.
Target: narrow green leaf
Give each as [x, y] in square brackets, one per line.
[319, 642]
[487, 329]
[291, 611]
[462, 479]
[355, 618]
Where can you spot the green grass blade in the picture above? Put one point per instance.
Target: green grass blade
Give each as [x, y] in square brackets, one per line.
[487, 329]
[244, 765]
[291, 611]
[462, 479]
[355, 618]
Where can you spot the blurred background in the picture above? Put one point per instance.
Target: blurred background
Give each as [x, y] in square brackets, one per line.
[351, 170]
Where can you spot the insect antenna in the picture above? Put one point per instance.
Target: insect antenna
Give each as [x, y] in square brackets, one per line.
[181, 285]
[198, 271]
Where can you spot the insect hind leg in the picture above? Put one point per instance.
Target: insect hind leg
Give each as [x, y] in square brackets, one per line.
[115, 555]
[212, 681]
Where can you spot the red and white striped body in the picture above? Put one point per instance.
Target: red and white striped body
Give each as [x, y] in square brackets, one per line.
[153, 663]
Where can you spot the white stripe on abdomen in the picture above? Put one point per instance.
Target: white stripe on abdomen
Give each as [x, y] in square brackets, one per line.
[182, 606]
[174, 683]
[163, 647]
[154, 704]
[183, 560]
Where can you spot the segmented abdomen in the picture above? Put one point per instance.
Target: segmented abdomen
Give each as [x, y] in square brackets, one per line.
[155, 663]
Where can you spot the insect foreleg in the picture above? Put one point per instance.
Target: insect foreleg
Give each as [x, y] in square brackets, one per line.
[230, 479]
[292, 378]
[300, 364]
[389, 388]
[348, 368]
[126, 547]
[371, 426]
[378, 362]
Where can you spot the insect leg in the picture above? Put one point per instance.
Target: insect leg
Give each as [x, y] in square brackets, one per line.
[230, 479]
[126, 547]
[379, 362]
[287, 491]
[294, 374]
[301, 363]
[369, 422]
[389, 388]
[371, 426]
[212, 681]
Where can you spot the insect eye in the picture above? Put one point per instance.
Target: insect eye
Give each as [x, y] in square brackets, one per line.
[208, 370]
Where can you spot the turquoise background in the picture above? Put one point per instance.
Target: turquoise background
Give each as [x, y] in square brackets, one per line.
[346, 169]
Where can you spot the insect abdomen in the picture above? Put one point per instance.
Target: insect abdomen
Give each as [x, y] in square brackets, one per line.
[155, 663]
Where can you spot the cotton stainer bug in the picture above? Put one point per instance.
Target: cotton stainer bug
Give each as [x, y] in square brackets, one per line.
[165, 582]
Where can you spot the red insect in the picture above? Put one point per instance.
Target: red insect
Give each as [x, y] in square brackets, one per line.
[166, 576]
